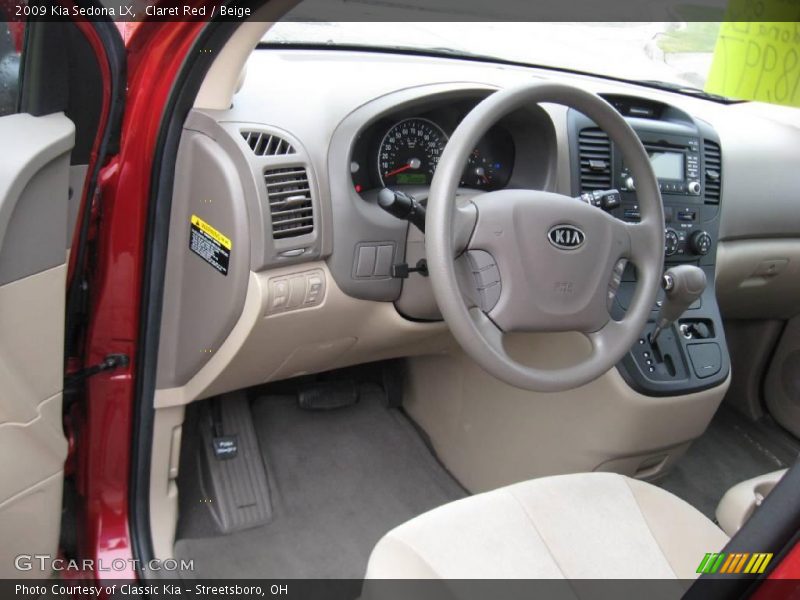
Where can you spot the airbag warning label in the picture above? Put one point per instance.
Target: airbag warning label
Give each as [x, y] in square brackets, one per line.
[210, 245]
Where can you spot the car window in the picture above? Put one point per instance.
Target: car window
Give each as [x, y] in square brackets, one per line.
[11, 36]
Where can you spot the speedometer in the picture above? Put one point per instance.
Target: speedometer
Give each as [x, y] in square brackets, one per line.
[409, 152]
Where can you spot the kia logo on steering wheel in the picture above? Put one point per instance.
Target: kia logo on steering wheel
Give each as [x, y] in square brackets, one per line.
[566, 237]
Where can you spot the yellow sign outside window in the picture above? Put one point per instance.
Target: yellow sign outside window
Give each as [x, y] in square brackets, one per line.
[758, 60]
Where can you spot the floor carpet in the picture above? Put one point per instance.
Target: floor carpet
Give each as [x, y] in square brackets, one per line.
[731, 450]
[339, 480]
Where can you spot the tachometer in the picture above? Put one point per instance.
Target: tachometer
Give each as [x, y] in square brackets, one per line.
[409, 152]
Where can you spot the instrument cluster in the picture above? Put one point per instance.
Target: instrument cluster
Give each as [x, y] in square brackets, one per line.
[405, 151]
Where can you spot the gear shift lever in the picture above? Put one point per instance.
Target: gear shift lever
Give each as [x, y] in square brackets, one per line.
[682, 285]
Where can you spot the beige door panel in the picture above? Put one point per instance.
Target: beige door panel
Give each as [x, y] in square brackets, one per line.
[31, 343]
[34, 182]
[29, 525]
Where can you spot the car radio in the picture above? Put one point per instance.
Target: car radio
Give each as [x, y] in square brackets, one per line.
[686, 159]
[676, 161]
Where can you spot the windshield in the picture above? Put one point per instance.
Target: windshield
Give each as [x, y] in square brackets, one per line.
[675, 53]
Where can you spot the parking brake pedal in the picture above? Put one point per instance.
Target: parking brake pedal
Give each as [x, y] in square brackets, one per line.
[233, 477]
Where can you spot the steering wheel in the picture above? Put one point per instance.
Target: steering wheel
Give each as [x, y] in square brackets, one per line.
[526, 260]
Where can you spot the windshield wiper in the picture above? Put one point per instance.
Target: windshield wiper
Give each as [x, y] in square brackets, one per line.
[686, 89]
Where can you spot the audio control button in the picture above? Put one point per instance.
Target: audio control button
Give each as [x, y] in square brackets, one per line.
[694, 188]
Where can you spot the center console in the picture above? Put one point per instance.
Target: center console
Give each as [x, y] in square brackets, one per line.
[685, 154]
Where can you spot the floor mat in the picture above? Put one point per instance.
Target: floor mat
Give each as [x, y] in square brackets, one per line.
[731, 450]
[339, 480]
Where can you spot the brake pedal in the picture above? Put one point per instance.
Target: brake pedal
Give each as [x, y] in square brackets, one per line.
[328, 395]
[392, 380]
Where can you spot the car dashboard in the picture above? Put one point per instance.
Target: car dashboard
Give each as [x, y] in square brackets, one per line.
[291, 174]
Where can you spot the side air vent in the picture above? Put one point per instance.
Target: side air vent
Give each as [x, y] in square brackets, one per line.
[266, 144]
[594, 149]
[713, 161]
[290, 203]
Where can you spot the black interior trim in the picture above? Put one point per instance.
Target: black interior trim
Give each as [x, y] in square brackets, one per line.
[43, 75]
[85, 98]
[59, 72]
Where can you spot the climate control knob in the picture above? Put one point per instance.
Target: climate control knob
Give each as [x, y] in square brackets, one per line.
[700, 243]
[670, 242]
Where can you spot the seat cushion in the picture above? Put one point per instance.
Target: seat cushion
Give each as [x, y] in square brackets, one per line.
[581, 526]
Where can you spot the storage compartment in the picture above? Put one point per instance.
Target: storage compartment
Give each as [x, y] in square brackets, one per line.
[759, 279]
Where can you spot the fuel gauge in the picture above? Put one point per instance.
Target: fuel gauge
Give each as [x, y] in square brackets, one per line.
[489, 164]
[481, 171]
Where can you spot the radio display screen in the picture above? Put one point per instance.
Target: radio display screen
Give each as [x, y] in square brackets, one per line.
[667, 165]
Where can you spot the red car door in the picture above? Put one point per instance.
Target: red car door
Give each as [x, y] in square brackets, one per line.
[55, 111]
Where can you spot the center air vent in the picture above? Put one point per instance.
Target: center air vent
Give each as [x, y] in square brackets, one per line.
[713, 171]
[594, 150]
[290, 203]
[266, 144]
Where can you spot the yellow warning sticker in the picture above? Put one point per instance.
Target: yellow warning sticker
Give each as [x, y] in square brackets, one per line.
[210, 245]
[209, 230]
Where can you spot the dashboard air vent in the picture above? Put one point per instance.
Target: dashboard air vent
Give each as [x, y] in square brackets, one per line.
[266, 144]
[290, 203]
[713, 172]
[594, 149]
[632, 106]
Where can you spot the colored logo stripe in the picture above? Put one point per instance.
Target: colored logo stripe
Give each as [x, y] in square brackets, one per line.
[711, 562]
[734, 562]
[758, 563]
